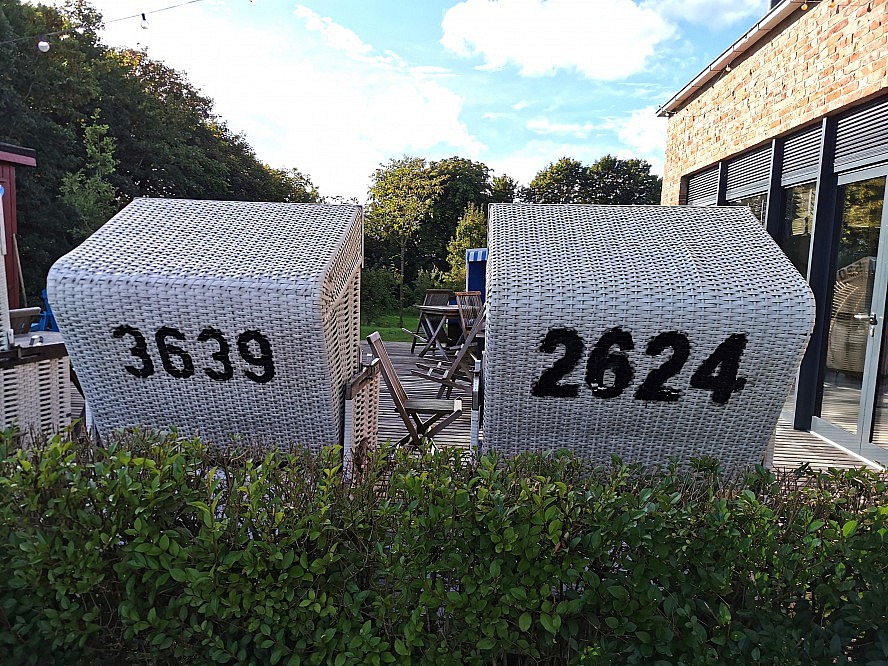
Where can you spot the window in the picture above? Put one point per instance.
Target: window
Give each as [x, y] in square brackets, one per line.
[703, 188]
[757, 203]
[798, 224]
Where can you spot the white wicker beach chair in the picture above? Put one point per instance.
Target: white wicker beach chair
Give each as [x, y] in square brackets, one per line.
[36, 397]
[361, 435]
[235, 321]
[650, 333]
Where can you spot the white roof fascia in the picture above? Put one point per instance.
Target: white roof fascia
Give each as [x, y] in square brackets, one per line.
[754, 35]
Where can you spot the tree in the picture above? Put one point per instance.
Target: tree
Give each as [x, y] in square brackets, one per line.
[463, 183]
[503, 190]
[378, 287]
[88, 190]
[608, 180]
[564, 181]
[614, 181]
[402, 194]
[41, 102]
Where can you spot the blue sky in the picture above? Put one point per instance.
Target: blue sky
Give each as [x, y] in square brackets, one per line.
[336, 87]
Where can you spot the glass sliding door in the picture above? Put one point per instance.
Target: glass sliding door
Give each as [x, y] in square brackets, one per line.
[880, 403]
[856, 330]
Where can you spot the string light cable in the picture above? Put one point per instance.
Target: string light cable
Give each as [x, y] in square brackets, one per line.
[42, 39]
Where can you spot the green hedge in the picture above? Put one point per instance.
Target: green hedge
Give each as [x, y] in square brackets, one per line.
[149, 551]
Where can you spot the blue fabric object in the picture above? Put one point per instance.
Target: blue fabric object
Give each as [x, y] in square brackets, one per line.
[47, 321]
[476, 270]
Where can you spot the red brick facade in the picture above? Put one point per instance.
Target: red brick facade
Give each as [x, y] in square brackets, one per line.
[816, 63]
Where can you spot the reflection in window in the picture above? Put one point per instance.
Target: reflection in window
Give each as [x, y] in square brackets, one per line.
[849, 324]
[798, 225]
[757, 203]
[861, 220]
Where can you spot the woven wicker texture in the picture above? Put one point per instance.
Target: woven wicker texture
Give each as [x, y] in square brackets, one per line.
[263, 298]
[37, 397]
[361, 415]
[710, 276]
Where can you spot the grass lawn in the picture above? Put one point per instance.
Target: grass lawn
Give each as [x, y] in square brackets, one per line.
[388, 328]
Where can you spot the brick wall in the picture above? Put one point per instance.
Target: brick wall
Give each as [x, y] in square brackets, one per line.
[817, 63]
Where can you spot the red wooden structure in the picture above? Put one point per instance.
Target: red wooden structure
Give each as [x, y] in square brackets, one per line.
[11, 157]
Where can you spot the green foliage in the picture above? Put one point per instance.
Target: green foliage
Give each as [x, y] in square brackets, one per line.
[153, 551]
[861, 220]
[401, 194]
[389, 329]
[433, 279]
[379, 288]
[503, 190]
[609, 181]
[88, 190]
[471, 232]
[461, 183]
[564, 181]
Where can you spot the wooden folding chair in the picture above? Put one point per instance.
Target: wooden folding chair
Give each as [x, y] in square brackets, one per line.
[459, 370]
[470, 305]
[427, 325]
[441, 413]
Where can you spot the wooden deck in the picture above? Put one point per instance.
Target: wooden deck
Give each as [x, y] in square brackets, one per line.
[792, 449]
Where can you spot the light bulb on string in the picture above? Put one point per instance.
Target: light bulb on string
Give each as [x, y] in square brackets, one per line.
[42, 45]
[144, 22]
[805, 7]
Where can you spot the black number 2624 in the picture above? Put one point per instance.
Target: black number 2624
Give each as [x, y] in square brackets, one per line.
[718, 373]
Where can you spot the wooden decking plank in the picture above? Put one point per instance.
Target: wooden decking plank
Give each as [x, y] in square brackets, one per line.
[390, 425]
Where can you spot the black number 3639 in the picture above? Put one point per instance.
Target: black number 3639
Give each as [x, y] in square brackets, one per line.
[718, 373]
[252, 346]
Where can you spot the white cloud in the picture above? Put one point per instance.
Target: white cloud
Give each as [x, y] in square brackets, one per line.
[604, 39]
[714, 13]
[308, 92]
[645, 134]
[543, 125]
[335, 36]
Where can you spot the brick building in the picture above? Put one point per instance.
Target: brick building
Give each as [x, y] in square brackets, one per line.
[792, 121]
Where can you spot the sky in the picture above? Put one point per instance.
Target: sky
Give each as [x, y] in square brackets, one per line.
[335, 88]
